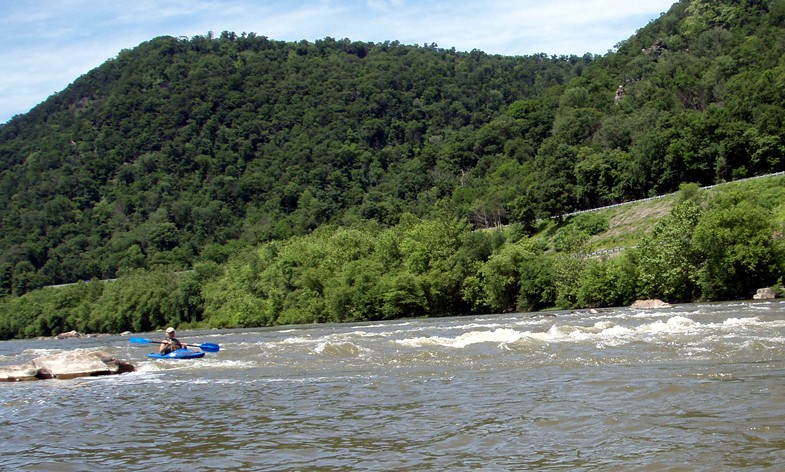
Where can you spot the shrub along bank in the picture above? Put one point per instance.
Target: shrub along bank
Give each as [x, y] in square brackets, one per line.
[718, 245]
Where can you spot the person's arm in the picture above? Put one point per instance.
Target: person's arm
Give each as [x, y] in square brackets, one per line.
[164, 345]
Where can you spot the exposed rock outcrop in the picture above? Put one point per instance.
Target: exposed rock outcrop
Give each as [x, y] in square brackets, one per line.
[77, 334]
[70, 334]
[619, 95]
[648, 304]
[18, 373]
[765, 293]
[66, 365]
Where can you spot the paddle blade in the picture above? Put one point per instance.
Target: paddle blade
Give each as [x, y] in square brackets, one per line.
[140, 341]
[208, 347]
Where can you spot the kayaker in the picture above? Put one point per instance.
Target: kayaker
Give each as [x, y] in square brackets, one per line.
[170, 343]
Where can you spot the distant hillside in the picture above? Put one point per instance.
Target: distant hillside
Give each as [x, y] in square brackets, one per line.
[185, 150]
[178, 145]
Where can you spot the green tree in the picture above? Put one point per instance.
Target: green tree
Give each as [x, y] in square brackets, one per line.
[141, 301]
[734, 243]
[608, 282]
[666, 259]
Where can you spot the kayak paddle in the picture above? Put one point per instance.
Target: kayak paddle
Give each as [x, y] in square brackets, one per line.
[206, 347]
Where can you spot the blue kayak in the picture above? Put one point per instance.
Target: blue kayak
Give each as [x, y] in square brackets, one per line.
[178, 354]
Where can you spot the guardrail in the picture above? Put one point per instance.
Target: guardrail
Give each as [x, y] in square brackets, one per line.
[565, 215]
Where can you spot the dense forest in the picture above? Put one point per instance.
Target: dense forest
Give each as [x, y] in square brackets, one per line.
[240, 181]
[177, 146]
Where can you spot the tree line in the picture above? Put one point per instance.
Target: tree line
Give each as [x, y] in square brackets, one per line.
[718, 247]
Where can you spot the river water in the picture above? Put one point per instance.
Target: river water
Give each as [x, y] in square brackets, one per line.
[693, 387]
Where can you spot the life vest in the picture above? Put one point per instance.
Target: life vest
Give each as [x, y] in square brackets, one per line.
[174, 344]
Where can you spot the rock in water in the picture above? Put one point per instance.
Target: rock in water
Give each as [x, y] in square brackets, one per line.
[66, 365]
[653, 303]
[766, 293]
[18, 373]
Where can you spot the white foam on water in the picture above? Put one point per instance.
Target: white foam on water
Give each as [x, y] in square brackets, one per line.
[742, 325]
[41, 352]
[694, 312]
[533, 322]
[603, 332]
[212, 335]
[243, 345]
[478, 326]
[211, 382]
[497, 336]
[774, 324]
[340, 349]
[146, 368]
[222, 363]
[424, 341]
[210, 361]
[758, 306]
[296, 340]
[616, 332]
[674, 325]
[646, 314]
[383, 325]
[151, 375]
[367, 334]
[153, 365]
[204, 363]
[741, 322]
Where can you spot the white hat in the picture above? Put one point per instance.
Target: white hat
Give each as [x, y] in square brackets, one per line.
[169, 330]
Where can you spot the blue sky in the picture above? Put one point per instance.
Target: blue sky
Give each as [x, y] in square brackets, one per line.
[47, 44]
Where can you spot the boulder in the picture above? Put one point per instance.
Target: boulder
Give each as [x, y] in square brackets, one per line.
[66, 365]
[648, 304]
[18, 373]
[766, 293]
[70, 334]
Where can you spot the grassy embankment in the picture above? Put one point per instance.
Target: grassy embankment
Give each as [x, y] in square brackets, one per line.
[629, 223]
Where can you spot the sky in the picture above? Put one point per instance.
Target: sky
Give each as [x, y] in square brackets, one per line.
[47, 44]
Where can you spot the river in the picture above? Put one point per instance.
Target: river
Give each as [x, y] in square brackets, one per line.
[689, 388]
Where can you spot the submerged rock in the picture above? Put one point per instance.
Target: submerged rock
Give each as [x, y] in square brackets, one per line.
[66, 365]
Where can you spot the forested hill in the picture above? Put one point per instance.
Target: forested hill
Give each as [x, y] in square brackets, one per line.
[181, 149]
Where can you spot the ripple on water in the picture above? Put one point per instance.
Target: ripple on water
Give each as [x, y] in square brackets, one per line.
[698, 386]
